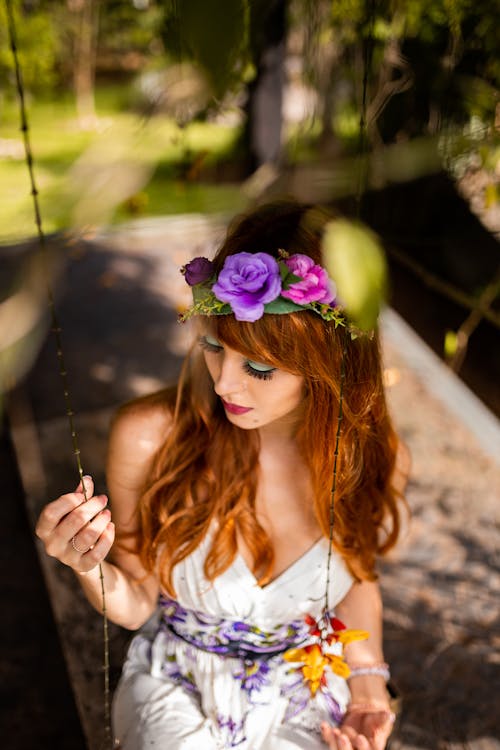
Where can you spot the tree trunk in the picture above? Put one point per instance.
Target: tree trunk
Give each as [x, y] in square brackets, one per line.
[85, 57]
[265, 93]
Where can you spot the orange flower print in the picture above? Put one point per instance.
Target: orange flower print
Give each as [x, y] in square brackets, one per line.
[313, 656]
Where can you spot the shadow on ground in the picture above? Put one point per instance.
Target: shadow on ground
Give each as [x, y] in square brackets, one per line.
[440, 588]
[116, 333]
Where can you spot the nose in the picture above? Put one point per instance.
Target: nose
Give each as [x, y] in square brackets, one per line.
[229, 378]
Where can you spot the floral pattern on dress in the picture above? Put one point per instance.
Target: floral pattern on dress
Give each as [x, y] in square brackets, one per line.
[230, 637]
[254, 675]
[298, 694]
[257, 655]
[171, 670]
[232, 731]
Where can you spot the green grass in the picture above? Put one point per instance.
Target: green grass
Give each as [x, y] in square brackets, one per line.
[126, 167]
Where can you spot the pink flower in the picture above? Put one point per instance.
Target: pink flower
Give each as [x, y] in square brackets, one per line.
[315, 286]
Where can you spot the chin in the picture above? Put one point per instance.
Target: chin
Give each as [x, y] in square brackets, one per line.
[239, 421]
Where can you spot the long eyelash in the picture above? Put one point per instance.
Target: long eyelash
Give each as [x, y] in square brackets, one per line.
[209, 347]
[259, 374]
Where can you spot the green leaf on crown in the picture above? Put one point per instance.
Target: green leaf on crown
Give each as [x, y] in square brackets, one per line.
[287, 277]
[281, 305]
[202, 292]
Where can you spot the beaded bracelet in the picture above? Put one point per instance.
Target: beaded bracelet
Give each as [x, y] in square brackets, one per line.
[381, 669]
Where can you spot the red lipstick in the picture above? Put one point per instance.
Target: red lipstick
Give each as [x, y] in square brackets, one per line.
[234, 409]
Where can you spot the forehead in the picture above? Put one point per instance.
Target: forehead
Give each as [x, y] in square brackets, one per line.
[210, 330]
[268, 339]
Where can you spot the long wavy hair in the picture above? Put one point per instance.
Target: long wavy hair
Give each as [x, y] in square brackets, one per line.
[205, 474]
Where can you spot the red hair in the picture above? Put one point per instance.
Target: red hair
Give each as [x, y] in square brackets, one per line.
[205, 474]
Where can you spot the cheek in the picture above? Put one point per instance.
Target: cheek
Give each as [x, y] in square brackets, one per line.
[212, 365]
[298, 393]
[290, 393]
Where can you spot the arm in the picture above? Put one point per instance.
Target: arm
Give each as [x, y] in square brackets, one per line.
[131, 593]
[369, 722]
[361, 609]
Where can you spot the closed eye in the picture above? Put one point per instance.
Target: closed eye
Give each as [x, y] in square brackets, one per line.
[258, 370]
[210, 344]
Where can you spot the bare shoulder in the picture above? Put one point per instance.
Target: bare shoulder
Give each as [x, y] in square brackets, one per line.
[143, 424]
[138, 430]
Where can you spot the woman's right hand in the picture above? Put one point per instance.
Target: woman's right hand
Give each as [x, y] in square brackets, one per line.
[76, 531]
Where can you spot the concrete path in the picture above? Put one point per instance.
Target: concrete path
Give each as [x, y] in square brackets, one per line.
[441, 588]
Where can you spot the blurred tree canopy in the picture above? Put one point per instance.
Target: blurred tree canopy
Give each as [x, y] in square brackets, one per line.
[439, 56]
[375, 73]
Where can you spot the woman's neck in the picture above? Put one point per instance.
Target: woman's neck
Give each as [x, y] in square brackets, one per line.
[281, 432]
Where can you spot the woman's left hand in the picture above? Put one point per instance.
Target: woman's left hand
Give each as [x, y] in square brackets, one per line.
[360, 730]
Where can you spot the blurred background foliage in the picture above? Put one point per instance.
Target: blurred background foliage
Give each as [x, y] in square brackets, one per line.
[268, 82]
[152, 107]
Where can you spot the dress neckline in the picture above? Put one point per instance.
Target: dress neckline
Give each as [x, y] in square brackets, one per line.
[284, 573]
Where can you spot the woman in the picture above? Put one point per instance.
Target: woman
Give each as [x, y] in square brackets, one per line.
[221, 496]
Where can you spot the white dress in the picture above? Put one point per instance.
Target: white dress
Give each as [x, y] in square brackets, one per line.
[207, 671]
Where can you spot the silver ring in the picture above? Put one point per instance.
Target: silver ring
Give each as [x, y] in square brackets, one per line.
[77, 548]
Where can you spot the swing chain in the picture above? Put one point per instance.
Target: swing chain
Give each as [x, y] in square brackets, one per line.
[56, 330]
[334, 480]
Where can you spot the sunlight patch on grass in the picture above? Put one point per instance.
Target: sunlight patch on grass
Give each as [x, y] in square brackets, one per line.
[171, 158]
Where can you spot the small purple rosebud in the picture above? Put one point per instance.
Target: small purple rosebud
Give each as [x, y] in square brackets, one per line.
[198, 270]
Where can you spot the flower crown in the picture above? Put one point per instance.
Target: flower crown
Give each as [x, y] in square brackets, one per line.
[251, 284]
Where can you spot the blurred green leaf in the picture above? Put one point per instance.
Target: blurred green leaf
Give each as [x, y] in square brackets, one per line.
[356, 262]
[213, 33]
[491, 195]
[24, 319]
[450, 344]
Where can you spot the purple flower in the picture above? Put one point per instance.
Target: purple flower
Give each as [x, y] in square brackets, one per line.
[254, 676]
[198, 270]
[247, 282]
[172, 610]
[315, 286]
[241, 627]
[333, 707]
[234, 731]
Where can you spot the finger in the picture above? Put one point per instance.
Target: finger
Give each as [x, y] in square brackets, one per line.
[76, 521]
[57, 540]
[87, 537]
[330, 735]
[380, 732]
[101, 548]
[383, 720]
[55, 511]
[343, 741]
[350, 733]
[361, 742]
[380, 740]
[89, 486]
[378, 725]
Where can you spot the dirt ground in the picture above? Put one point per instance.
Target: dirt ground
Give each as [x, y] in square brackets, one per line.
[441, 587]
